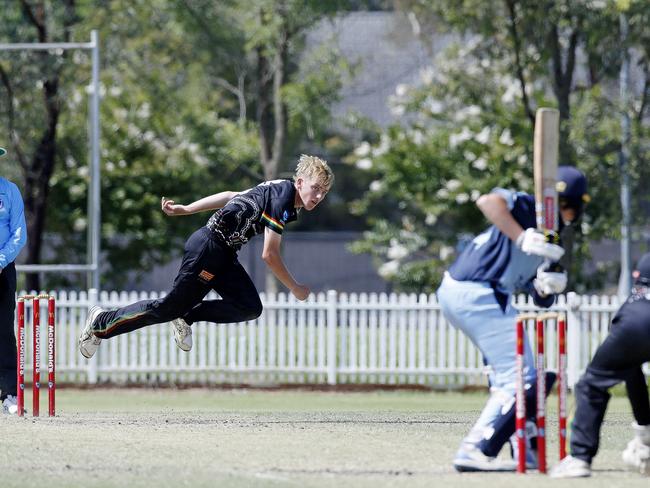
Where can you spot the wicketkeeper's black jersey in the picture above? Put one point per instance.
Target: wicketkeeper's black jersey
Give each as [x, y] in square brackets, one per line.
[270, 204]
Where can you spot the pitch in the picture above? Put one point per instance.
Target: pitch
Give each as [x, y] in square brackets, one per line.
[253, 438]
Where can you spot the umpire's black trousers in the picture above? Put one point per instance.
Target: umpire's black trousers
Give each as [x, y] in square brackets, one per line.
[208, 264]
[7, 334]
[618, 359]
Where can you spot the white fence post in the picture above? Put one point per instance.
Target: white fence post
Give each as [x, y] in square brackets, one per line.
[574, 361]
[93, 299]
[331, 337]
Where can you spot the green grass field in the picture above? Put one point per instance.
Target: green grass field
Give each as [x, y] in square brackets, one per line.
[253, 438]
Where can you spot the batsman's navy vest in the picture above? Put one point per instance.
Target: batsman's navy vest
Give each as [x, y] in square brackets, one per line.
[492, 257]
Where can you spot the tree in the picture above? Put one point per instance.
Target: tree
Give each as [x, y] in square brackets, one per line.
[163, 133]
[197, 96]
[471, 121]
[259, 52]
[258, 55]
[33, 124]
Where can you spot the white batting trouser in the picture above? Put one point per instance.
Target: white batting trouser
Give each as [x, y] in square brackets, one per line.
[472, 308]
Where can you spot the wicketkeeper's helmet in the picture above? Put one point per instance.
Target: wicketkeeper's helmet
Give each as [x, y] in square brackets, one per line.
[641, 272]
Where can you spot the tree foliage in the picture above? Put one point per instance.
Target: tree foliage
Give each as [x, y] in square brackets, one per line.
[162, 134]
[32, 102]
[197, 97]
[468, 127]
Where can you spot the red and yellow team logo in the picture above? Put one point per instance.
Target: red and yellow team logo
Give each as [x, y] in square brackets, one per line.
[206, 275]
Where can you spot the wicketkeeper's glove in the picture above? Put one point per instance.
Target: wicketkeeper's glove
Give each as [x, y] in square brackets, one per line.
[637, 452]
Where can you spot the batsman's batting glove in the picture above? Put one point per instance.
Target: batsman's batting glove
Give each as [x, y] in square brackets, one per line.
[551, 279]
[544, 244]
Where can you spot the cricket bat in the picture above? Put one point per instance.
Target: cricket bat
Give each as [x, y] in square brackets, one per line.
[545, 163]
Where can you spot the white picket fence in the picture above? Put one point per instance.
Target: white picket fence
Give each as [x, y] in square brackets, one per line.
[362, 338]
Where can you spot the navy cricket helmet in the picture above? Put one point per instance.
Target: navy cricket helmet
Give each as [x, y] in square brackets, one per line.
[571, 187]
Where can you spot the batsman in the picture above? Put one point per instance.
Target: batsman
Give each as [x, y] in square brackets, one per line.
[518, 252]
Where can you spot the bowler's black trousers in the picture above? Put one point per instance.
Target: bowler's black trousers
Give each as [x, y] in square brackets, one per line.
[7, 334]
[618, 359]
[208, 264]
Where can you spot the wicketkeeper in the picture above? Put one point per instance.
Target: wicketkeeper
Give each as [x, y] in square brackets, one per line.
[475, 297]
[619, 358]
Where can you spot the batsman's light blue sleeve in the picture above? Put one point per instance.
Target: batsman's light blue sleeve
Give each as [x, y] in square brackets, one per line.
[14, 228]
[508, 195]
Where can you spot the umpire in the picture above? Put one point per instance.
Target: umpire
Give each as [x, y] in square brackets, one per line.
[13, 236]
[619, 358]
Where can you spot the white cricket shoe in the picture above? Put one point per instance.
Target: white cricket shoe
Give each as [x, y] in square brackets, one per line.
[88, 341]
[571, 467]
[10, 405]
[472, 459]
[182, 334]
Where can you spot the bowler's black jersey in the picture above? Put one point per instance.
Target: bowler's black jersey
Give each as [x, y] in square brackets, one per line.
[270, 204]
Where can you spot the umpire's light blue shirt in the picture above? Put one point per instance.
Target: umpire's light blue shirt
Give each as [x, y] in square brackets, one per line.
[13, 230]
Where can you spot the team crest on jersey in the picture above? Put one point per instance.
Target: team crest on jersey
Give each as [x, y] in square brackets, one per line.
[205, 275]
[285, 216]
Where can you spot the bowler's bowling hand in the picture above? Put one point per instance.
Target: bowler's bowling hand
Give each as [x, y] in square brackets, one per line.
[171, 208]
[301, 292]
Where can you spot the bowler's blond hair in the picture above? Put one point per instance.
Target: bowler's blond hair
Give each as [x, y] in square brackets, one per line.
[316, 168]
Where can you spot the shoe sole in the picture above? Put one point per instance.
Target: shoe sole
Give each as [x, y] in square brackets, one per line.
[183, 347]
[473, 468]
[570, 475]
[572, 470]
[94, 312]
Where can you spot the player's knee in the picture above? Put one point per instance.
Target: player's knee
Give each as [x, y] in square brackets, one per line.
[252, 309]
[594, 388]
[255, 311]
[164, 310]
[583, 384]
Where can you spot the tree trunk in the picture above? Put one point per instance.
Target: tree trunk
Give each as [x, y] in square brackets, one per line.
[562, 85]
[271, 118]
[37, 182]
[38, 172]
[516, 43]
